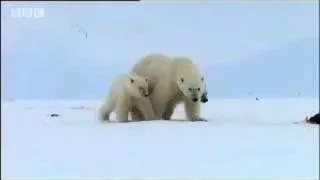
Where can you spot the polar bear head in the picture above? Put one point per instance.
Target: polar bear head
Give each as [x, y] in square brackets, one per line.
[192, 87]
[137, 86]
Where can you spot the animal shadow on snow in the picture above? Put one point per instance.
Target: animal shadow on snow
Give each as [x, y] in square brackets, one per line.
[184, 120]
[161, 120]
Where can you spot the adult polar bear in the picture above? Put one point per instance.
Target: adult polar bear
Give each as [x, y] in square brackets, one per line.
[171, 81]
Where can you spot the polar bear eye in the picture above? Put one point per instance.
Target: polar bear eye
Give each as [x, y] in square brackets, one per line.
[141, 88]
[189, 89]
[198, 89]
[181, 79]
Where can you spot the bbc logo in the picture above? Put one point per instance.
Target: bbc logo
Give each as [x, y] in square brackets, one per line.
[27, 12]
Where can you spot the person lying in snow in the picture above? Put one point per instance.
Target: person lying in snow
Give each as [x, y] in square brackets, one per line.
[313, 120]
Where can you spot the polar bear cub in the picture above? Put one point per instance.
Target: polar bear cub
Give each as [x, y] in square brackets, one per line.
[128, 92]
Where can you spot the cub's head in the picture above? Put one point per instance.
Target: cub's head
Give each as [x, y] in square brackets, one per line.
[137, 86]
[192, 88]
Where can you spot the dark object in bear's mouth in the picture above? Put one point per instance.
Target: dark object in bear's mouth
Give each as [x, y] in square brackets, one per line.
[314, 119]
[204, 98]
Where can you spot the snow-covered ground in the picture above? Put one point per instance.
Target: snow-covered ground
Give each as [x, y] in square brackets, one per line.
[242, 139]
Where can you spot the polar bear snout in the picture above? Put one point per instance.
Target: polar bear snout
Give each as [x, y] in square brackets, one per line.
[145, 93]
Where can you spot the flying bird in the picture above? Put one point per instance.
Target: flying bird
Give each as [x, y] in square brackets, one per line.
[82, 31]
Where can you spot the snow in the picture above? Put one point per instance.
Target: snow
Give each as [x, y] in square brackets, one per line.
[243, 138]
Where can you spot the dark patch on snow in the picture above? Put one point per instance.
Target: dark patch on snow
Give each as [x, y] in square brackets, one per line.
[54, 115]
[314, 119]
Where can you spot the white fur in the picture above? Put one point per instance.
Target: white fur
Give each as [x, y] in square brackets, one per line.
[170, 80]
[127, 93]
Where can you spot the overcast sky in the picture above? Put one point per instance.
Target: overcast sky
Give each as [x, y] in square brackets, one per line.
[119, 33]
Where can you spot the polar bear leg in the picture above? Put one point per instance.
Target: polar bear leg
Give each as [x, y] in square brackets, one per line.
[192, 110]
[146, 109]
[122, 111]
[158, 100]
[168, 112]
[106, 109]
[136, 114]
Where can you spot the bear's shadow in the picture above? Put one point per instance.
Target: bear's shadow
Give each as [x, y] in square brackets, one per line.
[184, 120]
[171, 120]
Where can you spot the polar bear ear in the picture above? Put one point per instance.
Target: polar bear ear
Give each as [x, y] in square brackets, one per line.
[131, 80]
[202, 79]
[182, 79]
[146, 79]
